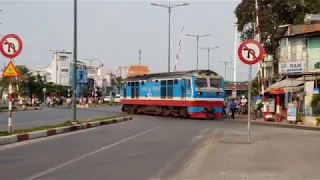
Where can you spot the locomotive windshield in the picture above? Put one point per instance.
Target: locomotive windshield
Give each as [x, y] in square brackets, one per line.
[201, 82]
[215, 83]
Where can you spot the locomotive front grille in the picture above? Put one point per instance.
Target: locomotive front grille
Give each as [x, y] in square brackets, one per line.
[208, 109]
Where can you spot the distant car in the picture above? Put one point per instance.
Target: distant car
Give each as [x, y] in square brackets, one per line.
[117, 98]
[106, 99]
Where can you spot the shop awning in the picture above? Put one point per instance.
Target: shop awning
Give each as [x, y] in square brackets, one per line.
[286, 85]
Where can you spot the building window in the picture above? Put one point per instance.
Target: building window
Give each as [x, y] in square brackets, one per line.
[64, 70]
[294, 48]
[63, 58]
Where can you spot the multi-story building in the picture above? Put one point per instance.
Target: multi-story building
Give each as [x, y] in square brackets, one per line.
[82, 78]
[60, 68]
[299, 64]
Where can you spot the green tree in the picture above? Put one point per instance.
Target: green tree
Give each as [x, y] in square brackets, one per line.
[28, 84]
[118, 82]
[255, 87]
[16, 82]
[272, 13]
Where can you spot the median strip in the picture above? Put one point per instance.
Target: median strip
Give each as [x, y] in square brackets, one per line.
[50, 130]
[14, 108]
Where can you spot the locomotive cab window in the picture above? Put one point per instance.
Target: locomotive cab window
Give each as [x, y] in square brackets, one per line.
[128, 83]
[215, 83]
[142, 83]
[201, 82]
[175, 81]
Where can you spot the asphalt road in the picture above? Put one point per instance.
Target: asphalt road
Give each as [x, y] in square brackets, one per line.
[50, 116]
[147, 147]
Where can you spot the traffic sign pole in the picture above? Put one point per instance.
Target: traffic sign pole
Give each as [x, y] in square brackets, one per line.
[250, 52]
[10, 105]
[249, 103]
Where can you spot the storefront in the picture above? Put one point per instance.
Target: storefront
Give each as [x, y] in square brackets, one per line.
[285, 91]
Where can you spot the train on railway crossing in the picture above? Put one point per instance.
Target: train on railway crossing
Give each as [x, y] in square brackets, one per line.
[191, 94]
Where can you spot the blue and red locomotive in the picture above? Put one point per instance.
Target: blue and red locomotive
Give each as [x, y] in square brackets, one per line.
[195, 94]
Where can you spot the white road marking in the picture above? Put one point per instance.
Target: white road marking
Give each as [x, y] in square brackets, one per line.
[87, 155]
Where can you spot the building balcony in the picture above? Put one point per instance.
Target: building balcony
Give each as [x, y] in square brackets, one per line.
[286, 56]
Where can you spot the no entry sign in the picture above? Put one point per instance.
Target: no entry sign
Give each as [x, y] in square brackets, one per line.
[250, 52]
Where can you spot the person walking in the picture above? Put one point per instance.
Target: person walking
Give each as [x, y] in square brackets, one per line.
[233, 108]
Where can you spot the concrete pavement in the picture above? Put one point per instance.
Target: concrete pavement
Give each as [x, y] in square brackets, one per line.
[274, 153]
[50, 116]
[152, 147]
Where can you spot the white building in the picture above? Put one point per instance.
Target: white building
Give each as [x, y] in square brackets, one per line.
[104, 79]
[60, 68]
[45, 73]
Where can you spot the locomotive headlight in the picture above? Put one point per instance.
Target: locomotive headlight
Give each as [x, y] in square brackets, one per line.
[220, 93]
[199, 93]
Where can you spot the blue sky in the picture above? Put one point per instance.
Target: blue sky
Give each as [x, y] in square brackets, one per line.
[118, 29]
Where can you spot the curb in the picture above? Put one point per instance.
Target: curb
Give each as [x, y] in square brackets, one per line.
[51, 132]
[109, 105]
[280, 125]
[23, 109]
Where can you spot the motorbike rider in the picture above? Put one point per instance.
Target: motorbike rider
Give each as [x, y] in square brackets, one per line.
[257, 109]
[243, 100]
[243, 105]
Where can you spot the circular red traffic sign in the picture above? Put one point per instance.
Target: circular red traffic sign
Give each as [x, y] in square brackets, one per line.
[10, 45]
[249, 47]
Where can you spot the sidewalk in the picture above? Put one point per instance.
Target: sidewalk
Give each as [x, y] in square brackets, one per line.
[284, 123]
[273, 153]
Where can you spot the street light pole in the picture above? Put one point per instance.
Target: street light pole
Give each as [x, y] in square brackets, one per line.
[140, 51]
[208, 49]
[197, 36]
[233, 70]
[169, 6]
[225, 68]
[74, 75]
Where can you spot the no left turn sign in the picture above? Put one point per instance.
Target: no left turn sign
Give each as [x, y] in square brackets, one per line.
[10, 46]
[250, 52]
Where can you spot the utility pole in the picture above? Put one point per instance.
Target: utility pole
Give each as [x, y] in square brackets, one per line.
[241, 75]
[225, 68]
[169, 6]
[90, 70]
[74, 75]
[208, 49]
[140, 51]
[197, 36]
[233, 70]
[235, 53]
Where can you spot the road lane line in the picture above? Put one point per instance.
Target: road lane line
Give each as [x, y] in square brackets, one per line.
[178, 155]
[87, 155]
